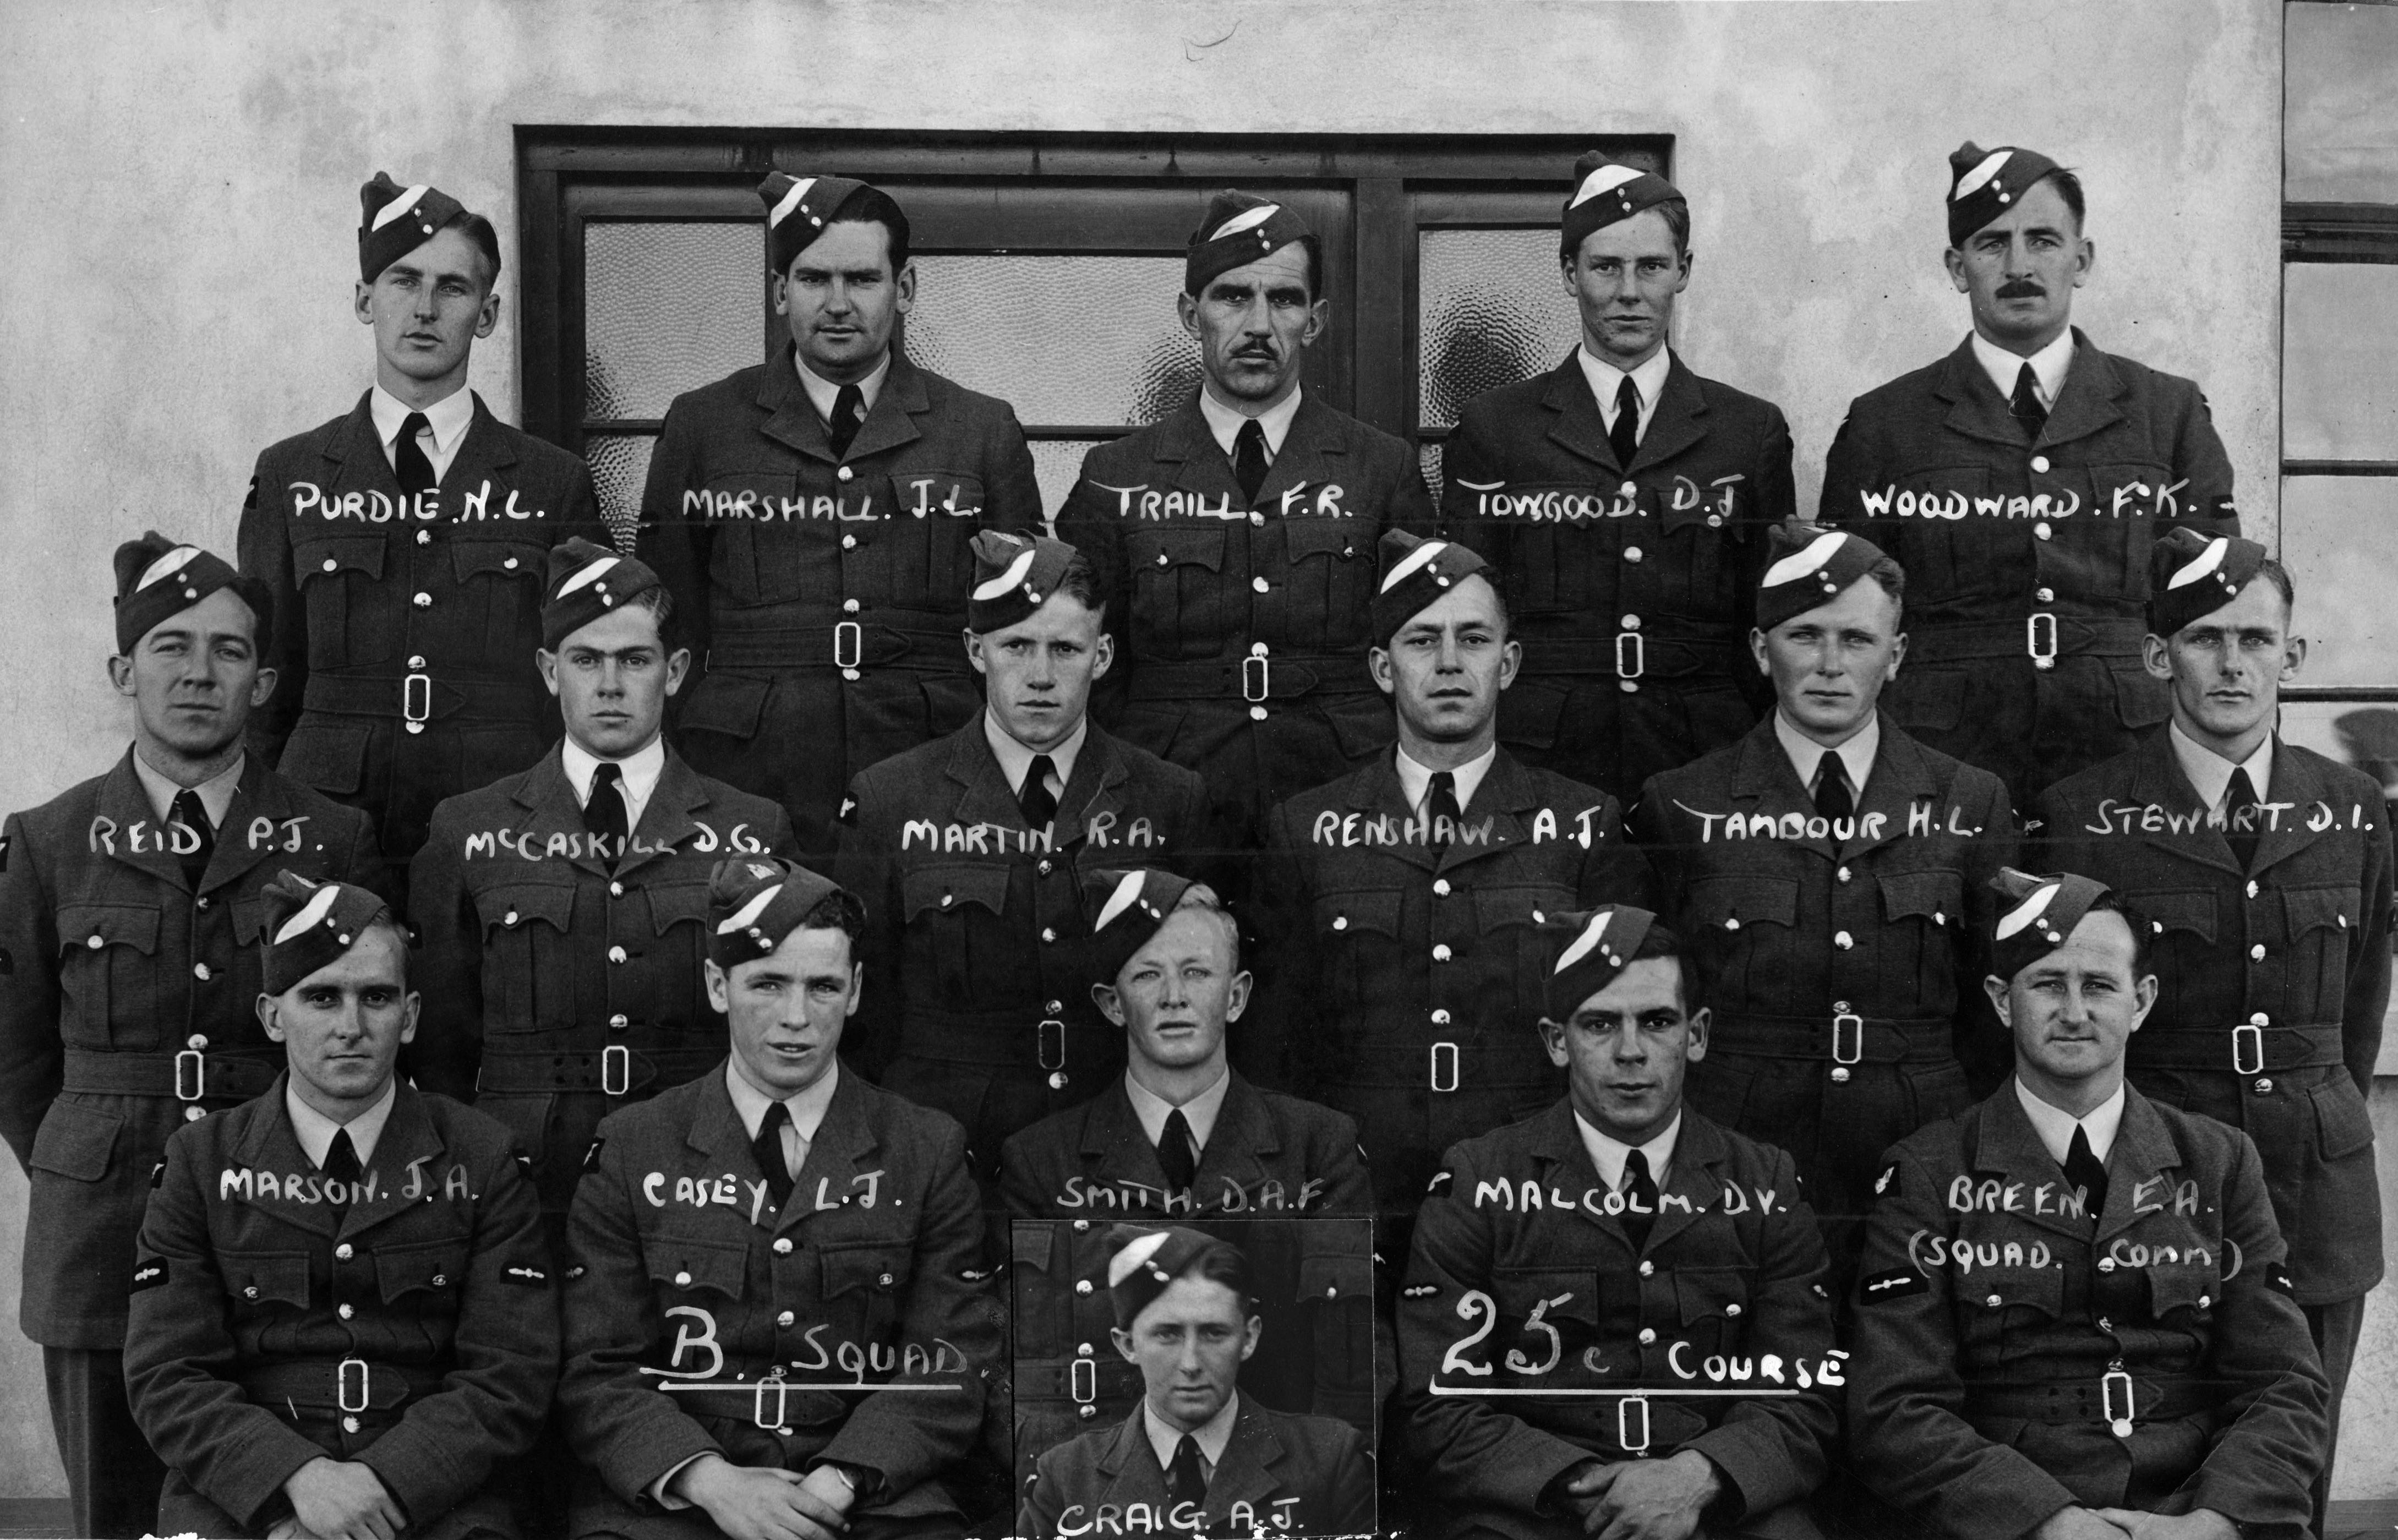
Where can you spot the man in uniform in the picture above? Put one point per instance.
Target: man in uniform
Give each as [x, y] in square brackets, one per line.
[404, 543]
[811, 516]
[564, 909]
[1406, 897]
[1181, 1134]
[969, 852]
[1236, 537]
[343, 1320]
[129, 910]
[2265, 872]
[1626, 500]
[1196, 1455]
[2020, 480]
[2075, 1316]
[1641, 1265]
[1828, 874]
[777, 1320]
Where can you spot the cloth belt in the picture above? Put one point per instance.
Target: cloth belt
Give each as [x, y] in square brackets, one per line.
[318, 1386]
[847, 645]
[1015, 1039]
[2076, 635]
[2230, 1048]
[1276, 676]
[1636, 654]
[1055, 1380]
[2084, 1400]
[1842, 1038]
[187, 1076]
[614, 1069]
[400, 697]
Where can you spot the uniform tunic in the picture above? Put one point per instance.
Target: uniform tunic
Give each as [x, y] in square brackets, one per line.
[1404, 982]
[568, 989]
[824, 595]
[1242, 623]
[1631, 587]
[2027, 561]
[1844, 969]
[683, 1273]
[405, 636]
[1991, 1311]
[977, 953]
[1521, 1279]
[1280, 1474]
[414, 1330]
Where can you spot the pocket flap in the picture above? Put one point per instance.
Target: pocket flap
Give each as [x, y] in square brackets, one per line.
[1732, 902]
[1334, 1278]
[1338, 539]
[420, 1264]
[2041, 1289]
[1932, 697]
[2192, 910]
[1704, 1291]
[501, 557]
[249, 920]
[689, 1262]
[1529, 713]
[2342, 1123]
[1175, 548]
[934, 888]
[328, 756]
[2141, 700]
[516, 904]
[75, 1142]
[676, 903]
[265, 1277]
[98, 926]
[2182, 1286]
[1371, 909]
[312, 559]
[1030, 1242]
[2326, 908]
[865, 1270]
[730, 704]
[1935, 896]
[1498, 907]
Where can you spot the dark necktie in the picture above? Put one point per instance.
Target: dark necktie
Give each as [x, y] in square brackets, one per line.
[1177, 1153]
[1038, 802]
[1639, 1191]
[341, 1166]
[1185, 1483]
[188, 812]
[2082, 1168]
[2025, 405]
[604, 810]
[407, 458]
[1249, 458]
[2240, 818]
[1441, 804]
[848, 410]
[767, 1150]
[1833, 798]
[1625, 436]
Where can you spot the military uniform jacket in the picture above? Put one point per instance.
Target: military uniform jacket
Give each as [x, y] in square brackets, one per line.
[1995, 529]
[252, 1290]
[1991, 1310]
[1521, 1278]
[566, 988]
[825, 594]
[1631, 587]
[387, 614]
[1280, 1474]
[2298, 946]
[120, 985]
[1270, 1159]
[1203, 580]
[1403, 982]
[683, 1274]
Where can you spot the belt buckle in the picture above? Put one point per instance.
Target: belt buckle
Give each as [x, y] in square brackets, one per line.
[616, 1069]
[1631, 1443]
[2250, 1038]
[192, 1059]
[848, 633]
[1049, 1045]
[782, 1401]
[1083, 1380]
[2115, 1383]
[416, 697]
[1848, 1037]
[2041, 656]
[1438, 1050]
[1257, 677]
[342, 1385]
[1639, 664]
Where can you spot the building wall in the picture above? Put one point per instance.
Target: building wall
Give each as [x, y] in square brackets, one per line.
[178, 185]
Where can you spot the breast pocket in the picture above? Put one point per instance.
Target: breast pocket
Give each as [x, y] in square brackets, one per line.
[499, 603]
[694, 1270]
[340, 577]
[1923, 914]
[776, 536]
[2017, 1304]
[1176, 611]
[2183, 1292]
[1359, 930]
[107, 972]
[1511, 947]
[527, 955]
[260, 1281]
[1692, 573]
[1931, 525]
[679, 919]
[435, 1270]
[1745, 926]
[1042, 1316]
[1331, 575]
[2121, 525]
[866, 1290]
[2183, 924]
[933, 515]
[2321, 923]
[1714, 1305]
[1564, 546]
[1548, 1327]
[954, 917]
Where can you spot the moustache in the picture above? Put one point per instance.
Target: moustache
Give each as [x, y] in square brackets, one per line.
[2022, 288]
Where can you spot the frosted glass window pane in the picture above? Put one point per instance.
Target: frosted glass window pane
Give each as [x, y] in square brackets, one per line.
[1065, 340]
[667, 307]
[1489, 312]
[1428, 454]
[620, 464]
[2339, 384]
[2339, 539]
[2340, 112]
[1056, 464]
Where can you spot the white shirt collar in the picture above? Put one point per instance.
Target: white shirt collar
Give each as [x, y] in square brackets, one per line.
[2055, 1125]
[807, 1107]
[2048, 365]
[1015, 760]
[1213, 1434]
[1608, 1154]
[639, 771]
[215, 793]
[2210, 773]
[1416, 780]
[1606, 380]
[447, 420]
[1807, 755]
[315, 1130]
[1225, 423]
[823, 393]
[1200, 1112]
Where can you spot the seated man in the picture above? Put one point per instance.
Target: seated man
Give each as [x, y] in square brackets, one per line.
[1620, 1270]
[1179, 1133]
[2075, 1312]
[343, 1318]
[1196, 1456]
[777, 1319]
